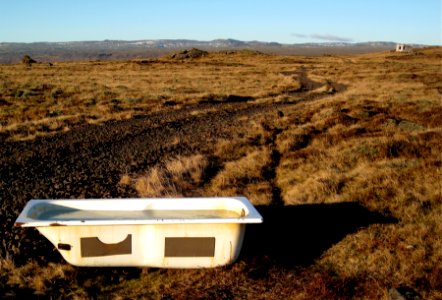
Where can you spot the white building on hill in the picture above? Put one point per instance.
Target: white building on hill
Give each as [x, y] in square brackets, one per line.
[403, 48]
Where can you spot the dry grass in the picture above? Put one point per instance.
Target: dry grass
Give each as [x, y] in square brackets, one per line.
[379, 143]
[244, 177]
[34, 280]
[180, 176]
[370, 131]
[43, 99]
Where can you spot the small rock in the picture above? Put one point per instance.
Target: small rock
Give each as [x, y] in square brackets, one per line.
[27, 60]
[403, 293]
[395, 295]
[192, 53]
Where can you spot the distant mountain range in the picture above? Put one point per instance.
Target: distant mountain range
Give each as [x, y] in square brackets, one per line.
[119, 49]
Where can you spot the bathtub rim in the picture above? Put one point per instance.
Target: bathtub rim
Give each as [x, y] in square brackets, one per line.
[251, 215]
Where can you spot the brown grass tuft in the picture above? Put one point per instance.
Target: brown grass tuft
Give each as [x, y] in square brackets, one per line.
[244, 177]
[177, 177]
[54, 280]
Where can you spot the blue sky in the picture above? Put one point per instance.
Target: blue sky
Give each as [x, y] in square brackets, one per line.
[296, 21]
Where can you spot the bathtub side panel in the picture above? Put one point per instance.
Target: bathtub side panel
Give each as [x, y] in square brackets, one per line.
[163, 246]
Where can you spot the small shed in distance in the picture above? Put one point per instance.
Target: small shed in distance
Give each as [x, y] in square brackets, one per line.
[403, 48]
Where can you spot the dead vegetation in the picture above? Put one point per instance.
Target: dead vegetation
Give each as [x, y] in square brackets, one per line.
[180, 176]
[44, 100]
[302, 137]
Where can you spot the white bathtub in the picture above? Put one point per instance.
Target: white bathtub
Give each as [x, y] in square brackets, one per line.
[167, 233]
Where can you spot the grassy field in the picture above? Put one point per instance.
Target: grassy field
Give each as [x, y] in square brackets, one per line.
[342, 155]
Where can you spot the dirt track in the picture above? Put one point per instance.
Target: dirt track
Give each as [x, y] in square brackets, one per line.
[89, 161]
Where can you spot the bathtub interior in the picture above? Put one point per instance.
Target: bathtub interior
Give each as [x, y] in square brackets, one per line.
[138, 211]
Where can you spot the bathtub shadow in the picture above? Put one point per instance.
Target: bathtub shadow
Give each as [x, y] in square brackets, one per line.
[298, 234]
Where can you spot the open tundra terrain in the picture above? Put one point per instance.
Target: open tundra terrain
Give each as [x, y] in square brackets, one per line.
[341, 154]
[120, 49]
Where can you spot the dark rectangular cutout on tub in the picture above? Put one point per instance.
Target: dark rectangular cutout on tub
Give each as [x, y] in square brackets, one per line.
[189, 247]
[62, 246]
[92, 247]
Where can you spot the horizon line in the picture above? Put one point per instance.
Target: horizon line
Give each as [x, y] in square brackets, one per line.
[218, 39]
